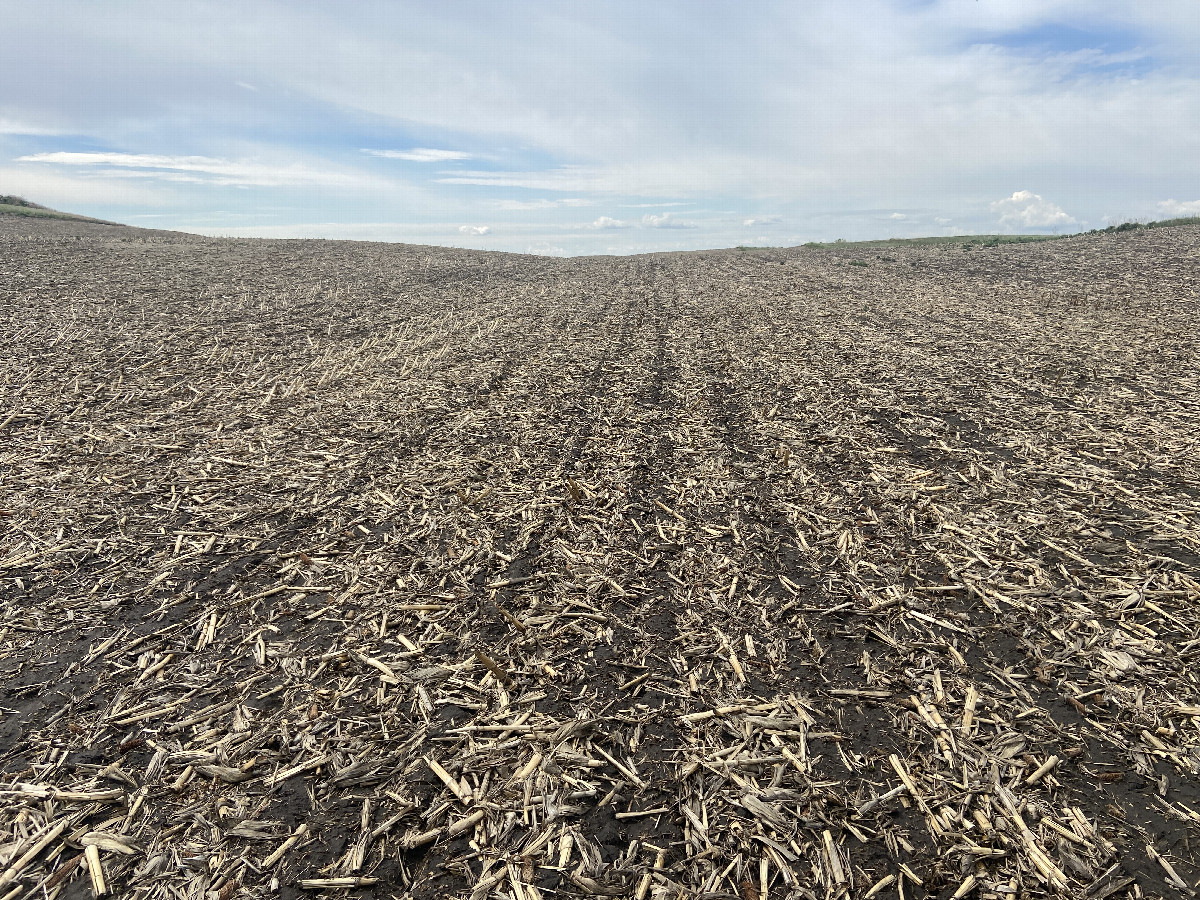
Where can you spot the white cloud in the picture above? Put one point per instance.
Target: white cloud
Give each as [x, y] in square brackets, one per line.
[762, 220]
[607, 222]
[689, 174]
[72, 193]
[1174, 209]
[543, 203]
[475, 230]
[421, 154]
[13, 126]
[664, 221]
[1025, 209]
[566, 178]
[897, 216]
[914, 105]
[195, 169]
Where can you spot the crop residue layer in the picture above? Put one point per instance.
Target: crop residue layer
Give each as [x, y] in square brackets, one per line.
[355, 569]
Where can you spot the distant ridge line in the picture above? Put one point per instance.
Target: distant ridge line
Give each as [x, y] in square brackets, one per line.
[12, 205]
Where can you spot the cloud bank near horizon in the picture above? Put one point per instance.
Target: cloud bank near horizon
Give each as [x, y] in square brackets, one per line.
[539, 129]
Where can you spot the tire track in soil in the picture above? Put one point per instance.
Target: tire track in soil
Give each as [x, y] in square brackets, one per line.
[554, 428]
[846, 642]
[592, 395]
[646, 626]
[647, 623]
[813, 640]
[607, 834]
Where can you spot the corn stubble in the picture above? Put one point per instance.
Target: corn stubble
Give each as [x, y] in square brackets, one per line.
[354, 569]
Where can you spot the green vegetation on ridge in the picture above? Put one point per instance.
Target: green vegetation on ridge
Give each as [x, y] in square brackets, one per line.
[11, 205]
[971, 241]
[967, 241]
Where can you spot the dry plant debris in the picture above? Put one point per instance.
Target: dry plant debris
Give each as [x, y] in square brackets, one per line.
[336, 569]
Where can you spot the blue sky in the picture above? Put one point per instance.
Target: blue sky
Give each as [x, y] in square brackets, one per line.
[617, 127]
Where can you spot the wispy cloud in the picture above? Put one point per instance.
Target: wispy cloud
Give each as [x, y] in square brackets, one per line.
[194, 169]
[421, 154]
[13, 126]
[474, 230]
[761, 221]
[687, 175]
[72, 192]
[566, 178]
[542, 203]
[1025, 209]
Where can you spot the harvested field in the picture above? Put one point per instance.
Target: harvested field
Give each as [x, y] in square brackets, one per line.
[346, 569]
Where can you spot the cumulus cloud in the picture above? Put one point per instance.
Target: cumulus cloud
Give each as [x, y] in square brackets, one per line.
[762, 220]
[475, 230]
[1173, 209]
[1025, 209]
[664, 221]
[421, 154]
[193, 169]
[897, 216]
[608, 222]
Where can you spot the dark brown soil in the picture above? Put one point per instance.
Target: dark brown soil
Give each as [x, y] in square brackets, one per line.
[336, 568]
